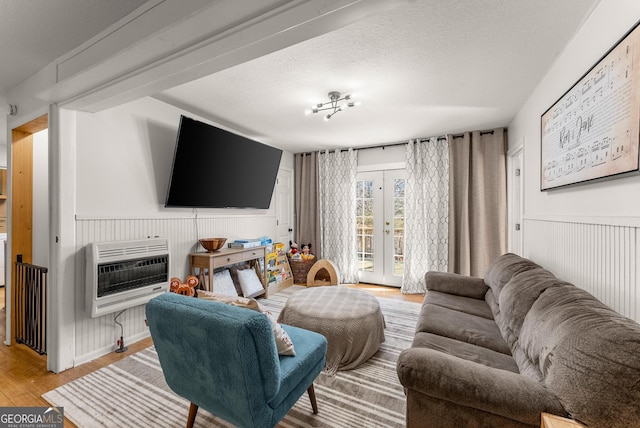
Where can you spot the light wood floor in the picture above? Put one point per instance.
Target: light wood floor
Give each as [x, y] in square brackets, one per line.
[24, 376]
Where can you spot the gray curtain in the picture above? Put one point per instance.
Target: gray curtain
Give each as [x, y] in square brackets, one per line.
[477, 200]
[306, 200]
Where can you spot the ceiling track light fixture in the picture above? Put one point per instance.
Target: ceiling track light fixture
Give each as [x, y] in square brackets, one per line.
[333, 105]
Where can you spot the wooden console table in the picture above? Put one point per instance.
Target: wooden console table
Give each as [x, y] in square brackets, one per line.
[205, 263]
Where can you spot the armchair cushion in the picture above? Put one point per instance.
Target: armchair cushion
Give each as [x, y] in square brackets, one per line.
[296, 373]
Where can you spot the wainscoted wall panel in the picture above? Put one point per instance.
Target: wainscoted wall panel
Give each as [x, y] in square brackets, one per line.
[598, 255]
[96, 337]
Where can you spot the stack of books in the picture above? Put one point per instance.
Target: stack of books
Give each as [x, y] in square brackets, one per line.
[277, 269]
[250, 243]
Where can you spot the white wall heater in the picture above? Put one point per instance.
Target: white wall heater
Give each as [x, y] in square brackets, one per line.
[124, 274]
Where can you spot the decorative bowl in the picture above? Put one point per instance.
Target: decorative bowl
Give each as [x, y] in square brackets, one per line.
[212, 244]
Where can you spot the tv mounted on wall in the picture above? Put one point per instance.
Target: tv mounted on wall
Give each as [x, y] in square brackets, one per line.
[214, 168]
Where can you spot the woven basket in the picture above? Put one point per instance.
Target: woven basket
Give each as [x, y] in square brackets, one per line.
[300, 269]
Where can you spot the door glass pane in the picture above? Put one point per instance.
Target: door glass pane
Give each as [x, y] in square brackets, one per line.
[398, 226]
[364, 224]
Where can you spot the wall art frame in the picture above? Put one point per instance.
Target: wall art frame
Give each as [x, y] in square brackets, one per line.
[592, 132]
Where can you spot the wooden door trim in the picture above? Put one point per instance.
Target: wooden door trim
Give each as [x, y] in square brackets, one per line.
[21, 197]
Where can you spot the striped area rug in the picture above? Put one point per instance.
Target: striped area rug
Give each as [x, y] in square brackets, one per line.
[132, 392]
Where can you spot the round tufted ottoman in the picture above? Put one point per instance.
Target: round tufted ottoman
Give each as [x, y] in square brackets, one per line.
[350, 319]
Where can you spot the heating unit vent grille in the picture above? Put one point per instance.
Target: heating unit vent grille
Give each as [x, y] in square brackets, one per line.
[124, 274]
[131, 251]
[131, 274]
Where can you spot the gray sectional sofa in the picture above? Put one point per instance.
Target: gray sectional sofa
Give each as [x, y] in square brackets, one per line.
[498, 351]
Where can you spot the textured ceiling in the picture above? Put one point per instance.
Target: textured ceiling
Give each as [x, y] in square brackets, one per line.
[422, 69]
[36, 32]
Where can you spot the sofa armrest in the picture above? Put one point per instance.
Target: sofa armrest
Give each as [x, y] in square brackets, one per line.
[474, 385]
[452, 283]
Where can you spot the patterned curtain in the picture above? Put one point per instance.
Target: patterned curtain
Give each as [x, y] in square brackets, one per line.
[337, 196]
[426, 212]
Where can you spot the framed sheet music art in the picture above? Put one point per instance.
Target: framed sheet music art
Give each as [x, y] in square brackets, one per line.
[593, 131]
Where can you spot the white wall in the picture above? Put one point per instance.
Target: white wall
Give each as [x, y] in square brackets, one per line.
[378, 158]
[610, 20]
[124, 158]
[124, 162]
[605, 209]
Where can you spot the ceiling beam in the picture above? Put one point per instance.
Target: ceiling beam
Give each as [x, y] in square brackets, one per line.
[107, 72]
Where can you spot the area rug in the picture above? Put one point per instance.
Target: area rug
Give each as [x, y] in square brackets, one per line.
[133, 393]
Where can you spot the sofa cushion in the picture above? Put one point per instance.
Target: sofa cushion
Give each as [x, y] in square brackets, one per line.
[455, 380]
[465, 350]
[587, 354]
[455, 284]
[461, 326]
[492, 302]
[467, 305]
[526, 367]
[504, 268]
[517, 297]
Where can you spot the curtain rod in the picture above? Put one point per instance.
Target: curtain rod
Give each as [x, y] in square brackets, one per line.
[443, 137]
[399, 143]
[481, 133]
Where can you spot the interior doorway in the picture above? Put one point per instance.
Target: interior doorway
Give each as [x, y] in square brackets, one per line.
[284, 205]
[28, 202]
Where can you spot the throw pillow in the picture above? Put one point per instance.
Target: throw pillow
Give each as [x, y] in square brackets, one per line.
[222, 283]
[283, 341]
[250, 283]
[234, 275]
[242, 302]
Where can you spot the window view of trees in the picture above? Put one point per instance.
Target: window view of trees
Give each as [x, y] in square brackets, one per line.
[365, 225]
[398, 226]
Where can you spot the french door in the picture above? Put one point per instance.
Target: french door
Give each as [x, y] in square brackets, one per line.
[380, 226]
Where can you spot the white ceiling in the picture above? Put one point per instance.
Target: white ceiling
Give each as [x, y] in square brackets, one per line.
[33, 33]
[424, 68]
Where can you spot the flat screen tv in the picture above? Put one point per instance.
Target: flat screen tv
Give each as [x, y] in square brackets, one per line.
[214, 168]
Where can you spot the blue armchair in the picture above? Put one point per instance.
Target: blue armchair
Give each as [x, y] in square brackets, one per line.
[224, 359]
